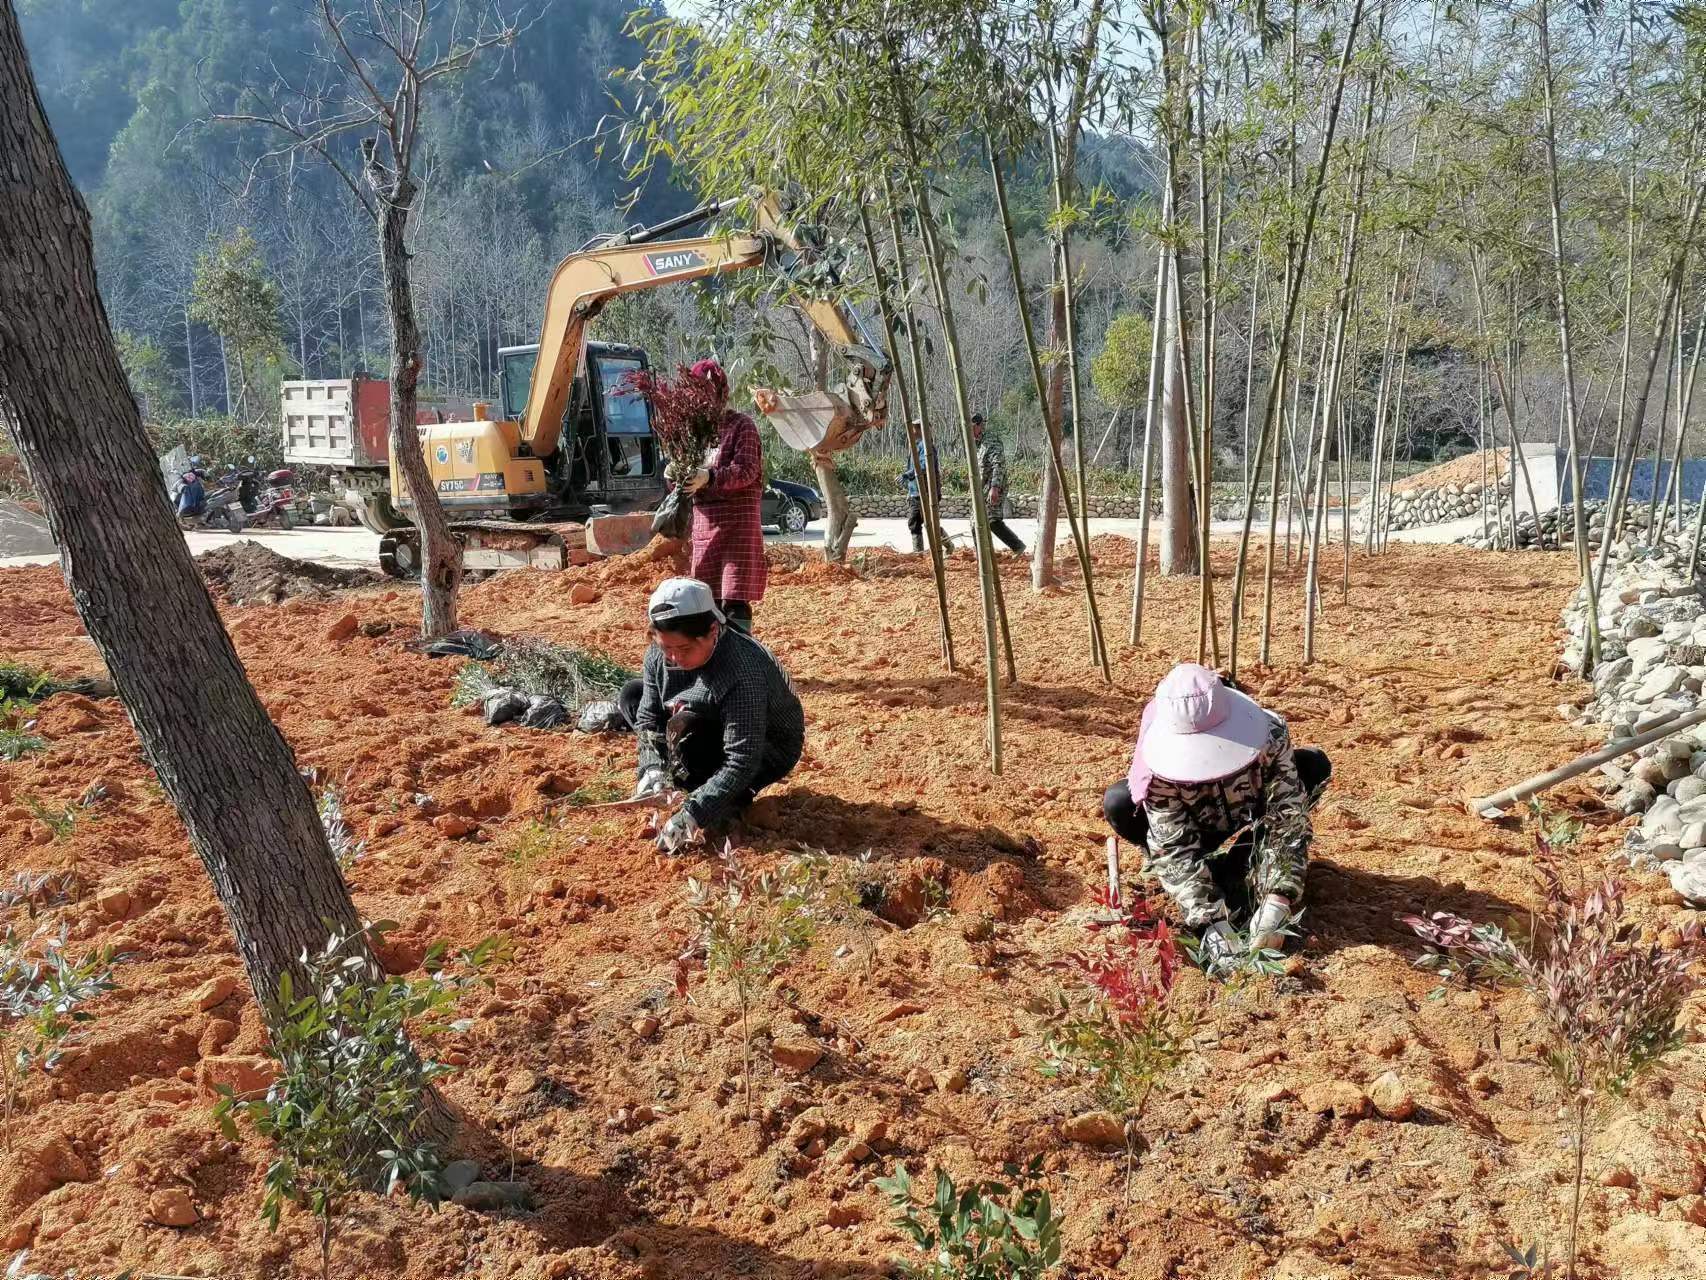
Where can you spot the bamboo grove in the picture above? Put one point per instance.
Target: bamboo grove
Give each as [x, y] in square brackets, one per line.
[1345, 201]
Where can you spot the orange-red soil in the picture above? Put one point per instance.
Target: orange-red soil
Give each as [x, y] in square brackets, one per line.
[1433, 680]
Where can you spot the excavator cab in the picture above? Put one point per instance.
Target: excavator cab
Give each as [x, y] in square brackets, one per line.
[607, 455]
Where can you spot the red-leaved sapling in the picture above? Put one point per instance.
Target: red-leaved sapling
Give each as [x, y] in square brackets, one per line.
[1609, 998]
[1114, 1024]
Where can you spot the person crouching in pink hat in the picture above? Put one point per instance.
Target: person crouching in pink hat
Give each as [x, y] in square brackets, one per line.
[1219, 802]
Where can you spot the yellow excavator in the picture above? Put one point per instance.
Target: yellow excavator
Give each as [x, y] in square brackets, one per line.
[572, 444]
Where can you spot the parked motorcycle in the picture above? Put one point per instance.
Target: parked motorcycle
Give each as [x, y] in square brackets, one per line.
[273, 504]
[220, 508]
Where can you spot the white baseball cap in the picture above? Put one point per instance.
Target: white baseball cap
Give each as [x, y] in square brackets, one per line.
[682, 598]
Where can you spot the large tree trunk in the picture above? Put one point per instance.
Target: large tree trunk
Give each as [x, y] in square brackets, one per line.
[441, 572]
[63, 394]
[842, 521]
[1178, 510]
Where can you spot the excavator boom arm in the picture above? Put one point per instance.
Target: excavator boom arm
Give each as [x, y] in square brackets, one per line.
[585, 281]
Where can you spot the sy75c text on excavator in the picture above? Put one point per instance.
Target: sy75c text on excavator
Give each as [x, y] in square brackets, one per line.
[570, 444]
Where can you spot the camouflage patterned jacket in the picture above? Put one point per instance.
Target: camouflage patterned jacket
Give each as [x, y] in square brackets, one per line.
[1190, 823]
[992, 466]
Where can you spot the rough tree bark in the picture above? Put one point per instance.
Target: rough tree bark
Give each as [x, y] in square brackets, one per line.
[441, 574]
[64, 396]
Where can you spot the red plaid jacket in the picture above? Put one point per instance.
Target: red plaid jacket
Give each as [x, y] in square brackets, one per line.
[728, 540]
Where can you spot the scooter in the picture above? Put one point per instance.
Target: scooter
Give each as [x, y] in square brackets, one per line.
[220, 509]
[270, 505]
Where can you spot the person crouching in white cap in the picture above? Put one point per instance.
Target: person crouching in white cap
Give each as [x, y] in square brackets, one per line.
[715, 714]
[1220, 803]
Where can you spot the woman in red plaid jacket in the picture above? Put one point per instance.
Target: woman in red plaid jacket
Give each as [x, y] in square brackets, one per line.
[727, 547]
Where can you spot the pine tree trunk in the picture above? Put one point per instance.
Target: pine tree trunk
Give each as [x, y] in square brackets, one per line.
[63, 393]
[441, 574]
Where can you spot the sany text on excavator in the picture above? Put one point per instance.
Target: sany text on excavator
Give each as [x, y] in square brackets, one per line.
[570, 444]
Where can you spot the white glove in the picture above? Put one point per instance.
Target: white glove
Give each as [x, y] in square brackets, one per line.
[1265, 928]
[652, 781]
[1220, 949]
[681, 830]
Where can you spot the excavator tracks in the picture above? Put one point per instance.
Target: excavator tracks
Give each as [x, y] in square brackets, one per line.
[487, 546]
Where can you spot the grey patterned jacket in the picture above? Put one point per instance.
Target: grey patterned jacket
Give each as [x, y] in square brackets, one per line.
[992, 467]
[1192, 823]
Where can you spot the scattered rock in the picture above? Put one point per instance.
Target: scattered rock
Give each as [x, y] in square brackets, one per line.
[646, 1027]
[214, 991]
[905, 1009]
[494, 1196]
[808, 1126]
[1688, 879]
[1100, 1129]
[584, 593]
[796, 1055]
[1385, 1043]
[951, 1081]
[461, 1173]
[521, 1082]
[114, 904]
[454, 826]
[218, 1033]
[845, 1214]
[244, 1075]
[173, 1208]
[1391, 1099]
[1338, 1098]
[343, 628]
[1657, 1151]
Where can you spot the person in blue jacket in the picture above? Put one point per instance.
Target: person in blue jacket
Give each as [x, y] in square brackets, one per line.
[911, 478]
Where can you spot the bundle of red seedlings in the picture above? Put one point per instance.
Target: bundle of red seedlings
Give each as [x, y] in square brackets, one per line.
[687, 415]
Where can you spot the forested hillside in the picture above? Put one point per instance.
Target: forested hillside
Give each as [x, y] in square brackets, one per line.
[1439, 162]
[129, 88]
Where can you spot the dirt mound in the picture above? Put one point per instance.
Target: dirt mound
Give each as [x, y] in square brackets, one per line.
[248, 573]
[1459, 471]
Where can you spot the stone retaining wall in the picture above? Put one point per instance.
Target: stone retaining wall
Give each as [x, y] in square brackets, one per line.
[1652, 624]
[957, 506]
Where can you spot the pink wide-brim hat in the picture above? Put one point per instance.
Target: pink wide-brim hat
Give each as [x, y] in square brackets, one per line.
[1201, 730]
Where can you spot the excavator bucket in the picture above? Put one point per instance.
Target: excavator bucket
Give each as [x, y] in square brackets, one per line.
[819, 421]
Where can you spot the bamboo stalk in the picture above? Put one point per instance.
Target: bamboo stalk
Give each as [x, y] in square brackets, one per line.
[1293, 292]
[1064, 248]
[1329, 400]
[914, 438]
[1080, 533]
[1659, 437]
[1268, 569]
[1669, 308]
[1490, 805]
[1152, 414]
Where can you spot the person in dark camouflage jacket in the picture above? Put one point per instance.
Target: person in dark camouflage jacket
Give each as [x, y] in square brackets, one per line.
[1231, 850]
[992, 469]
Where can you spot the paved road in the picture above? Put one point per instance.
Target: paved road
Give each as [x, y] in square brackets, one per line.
[357, 548]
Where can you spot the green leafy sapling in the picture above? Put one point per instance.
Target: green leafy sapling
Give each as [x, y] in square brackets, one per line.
[344, 1113]
[984, 1231]
[346, 847]
[42, 994]
[1610, 999]
[747, 927]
